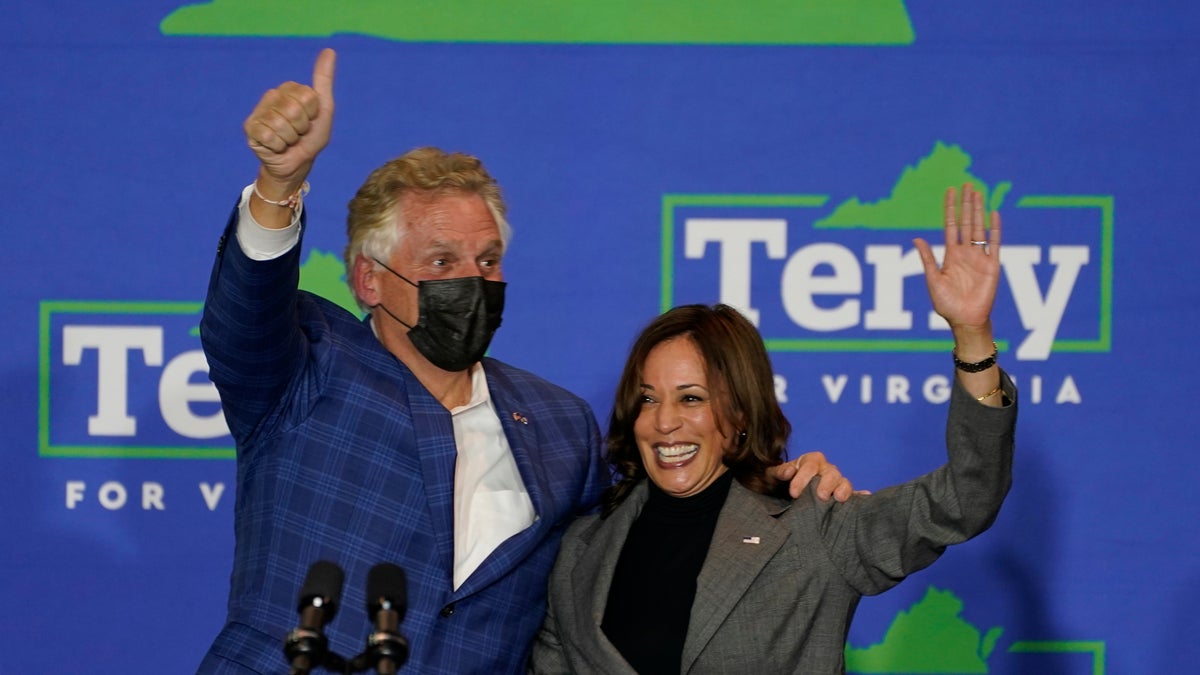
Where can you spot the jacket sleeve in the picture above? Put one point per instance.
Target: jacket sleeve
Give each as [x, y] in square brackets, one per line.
[548, 656]
[250, 332]
[598, 476]
[877, 540]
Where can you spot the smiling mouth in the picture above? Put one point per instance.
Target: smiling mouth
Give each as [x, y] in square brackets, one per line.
[676, 454]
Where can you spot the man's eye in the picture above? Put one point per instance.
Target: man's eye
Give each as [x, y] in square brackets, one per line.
[440, 262]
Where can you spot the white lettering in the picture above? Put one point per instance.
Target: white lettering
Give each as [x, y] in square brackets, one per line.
[1068, 392]
[781, 389]
[897, 389]
[112, 495]
[74, 492]
[831, 269]
[212, 494]
[801, 282]
[1041, 315]
[936, 389]
[892, 266]
[834, 386]
[176, 392]
[112, 344]
[734, 238]
[152, 496]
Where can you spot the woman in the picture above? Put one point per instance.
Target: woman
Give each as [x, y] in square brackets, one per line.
[703, 568]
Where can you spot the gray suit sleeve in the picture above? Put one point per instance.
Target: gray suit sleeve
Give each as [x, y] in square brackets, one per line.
[877, 540]
[547, 655]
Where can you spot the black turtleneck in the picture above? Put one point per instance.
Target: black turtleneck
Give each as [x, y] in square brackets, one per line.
[650, 600]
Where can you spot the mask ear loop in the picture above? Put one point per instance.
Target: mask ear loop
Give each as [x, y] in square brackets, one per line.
[404, 278]
[380, 305]
[387, 311]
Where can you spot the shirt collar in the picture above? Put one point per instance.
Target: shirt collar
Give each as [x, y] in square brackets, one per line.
[479, 390]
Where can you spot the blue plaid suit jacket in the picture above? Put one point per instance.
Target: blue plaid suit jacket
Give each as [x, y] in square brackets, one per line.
[342, 455]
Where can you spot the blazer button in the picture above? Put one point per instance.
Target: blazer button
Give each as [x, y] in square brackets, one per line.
[448, 609]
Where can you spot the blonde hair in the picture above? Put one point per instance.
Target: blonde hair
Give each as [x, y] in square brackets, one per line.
[374, 224]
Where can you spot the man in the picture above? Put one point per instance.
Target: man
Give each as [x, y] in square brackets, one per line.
[390, 439]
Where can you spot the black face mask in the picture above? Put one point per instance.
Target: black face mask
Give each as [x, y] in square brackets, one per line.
[456, 319]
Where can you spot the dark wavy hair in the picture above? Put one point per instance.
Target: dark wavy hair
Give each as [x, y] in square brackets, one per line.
[741, 383]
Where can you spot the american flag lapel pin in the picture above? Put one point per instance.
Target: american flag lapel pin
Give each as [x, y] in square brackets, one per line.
[518, 417]
[751, 540]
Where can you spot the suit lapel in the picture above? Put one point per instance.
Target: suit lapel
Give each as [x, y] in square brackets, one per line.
[592, 576]
[591, 580]
[433, 436]
[522, 440]
[747, 536]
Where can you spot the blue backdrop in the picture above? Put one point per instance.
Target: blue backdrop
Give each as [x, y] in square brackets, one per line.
[779, 156]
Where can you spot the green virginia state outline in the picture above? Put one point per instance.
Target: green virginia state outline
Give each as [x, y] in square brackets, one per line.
[930, 637]
[909, 206]
[702, 22]
[324, 274]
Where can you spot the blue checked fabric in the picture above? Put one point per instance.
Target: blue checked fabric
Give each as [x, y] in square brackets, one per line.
[342, 455]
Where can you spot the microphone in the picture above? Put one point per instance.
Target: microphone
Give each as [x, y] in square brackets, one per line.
[387, 600]
[306, 647]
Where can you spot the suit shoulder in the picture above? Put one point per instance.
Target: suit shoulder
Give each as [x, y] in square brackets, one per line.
[311, 303]
[322, 319]
[518, 379]
[770, 505]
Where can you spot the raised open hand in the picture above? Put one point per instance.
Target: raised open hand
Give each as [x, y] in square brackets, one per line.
[290, 126]
[964, 288]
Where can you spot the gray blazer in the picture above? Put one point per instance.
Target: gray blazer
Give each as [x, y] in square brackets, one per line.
[782, 578]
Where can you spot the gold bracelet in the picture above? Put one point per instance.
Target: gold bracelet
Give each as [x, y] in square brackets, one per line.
[989, 394]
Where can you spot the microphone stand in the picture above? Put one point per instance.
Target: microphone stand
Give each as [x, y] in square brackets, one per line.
[386, 652]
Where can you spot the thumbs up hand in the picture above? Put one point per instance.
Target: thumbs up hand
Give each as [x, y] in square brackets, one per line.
[289, 127]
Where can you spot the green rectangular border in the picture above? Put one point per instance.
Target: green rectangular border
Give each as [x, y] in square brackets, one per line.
[48, 307]
[1103, 343]
[1094, 647]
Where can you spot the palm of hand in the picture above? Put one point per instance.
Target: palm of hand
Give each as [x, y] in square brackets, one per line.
[963, 290]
